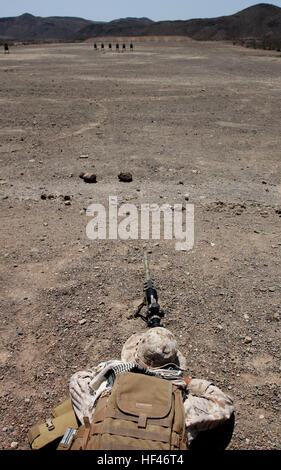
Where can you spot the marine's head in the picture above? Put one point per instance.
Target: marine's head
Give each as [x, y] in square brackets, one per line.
[156, 347]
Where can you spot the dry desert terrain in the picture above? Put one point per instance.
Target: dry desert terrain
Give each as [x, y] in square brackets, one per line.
[194, 123]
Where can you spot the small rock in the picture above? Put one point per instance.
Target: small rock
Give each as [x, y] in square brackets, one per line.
[84, 156]
[82, 322]
[271, 289]
[247, 340]
[14, 445]
[88, 177]
[67, 203]
[186, 197]
[125, 177]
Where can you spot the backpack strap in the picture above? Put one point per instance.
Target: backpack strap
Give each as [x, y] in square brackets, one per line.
[86, 433]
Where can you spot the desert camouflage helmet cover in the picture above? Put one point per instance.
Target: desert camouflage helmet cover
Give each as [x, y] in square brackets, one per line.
[154, 348]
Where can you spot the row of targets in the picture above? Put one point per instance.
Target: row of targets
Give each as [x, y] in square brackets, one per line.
[118, 46]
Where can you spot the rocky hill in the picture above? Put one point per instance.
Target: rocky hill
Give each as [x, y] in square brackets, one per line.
[259, 21]
[256, 21]
[29, 27]
[120, 27]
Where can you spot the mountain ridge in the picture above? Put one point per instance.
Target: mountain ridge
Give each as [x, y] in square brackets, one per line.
[30, 27]
[257, 21]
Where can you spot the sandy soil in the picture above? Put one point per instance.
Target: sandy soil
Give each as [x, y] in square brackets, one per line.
[183, 117]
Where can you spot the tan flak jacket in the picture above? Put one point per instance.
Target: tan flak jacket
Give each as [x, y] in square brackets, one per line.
[205, 405]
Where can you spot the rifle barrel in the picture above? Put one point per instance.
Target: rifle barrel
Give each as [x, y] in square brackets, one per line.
[147, 273]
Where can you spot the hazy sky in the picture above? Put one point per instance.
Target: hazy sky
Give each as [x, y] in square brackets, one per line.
[107, 10]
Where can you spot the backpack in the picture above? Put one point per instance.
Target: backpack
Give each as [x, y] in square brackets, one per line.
[142, 412]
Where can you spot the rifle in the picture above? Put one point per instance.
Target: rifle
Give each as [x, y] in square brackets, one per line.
[153, 312]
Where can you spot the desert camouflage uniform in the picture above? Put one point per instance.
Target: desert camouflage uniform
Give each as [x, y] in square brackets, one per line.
[206, 406]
